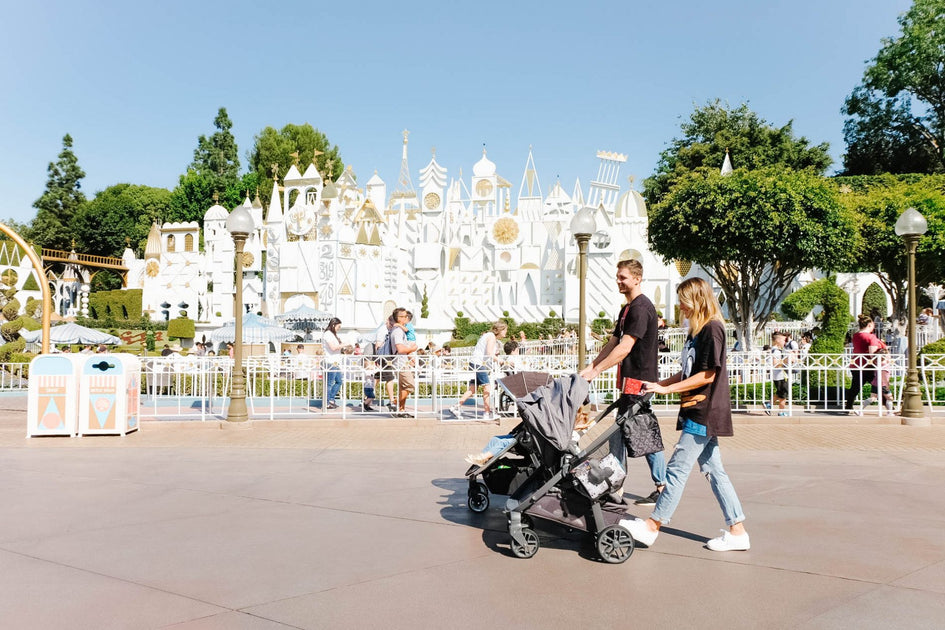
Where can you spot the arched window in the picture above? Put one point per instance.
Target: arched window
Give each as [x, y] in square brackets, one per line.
[189, 243]
[171, 245]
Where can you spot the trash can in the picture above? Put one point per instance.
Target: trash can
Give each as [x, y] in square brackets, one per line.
[109, 394]
[53, 394]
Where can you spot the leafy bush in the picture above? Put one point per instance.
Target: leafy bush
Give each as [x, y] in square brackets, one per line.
[11, 309]
[120, 305]
[836, 314]
[181, 328]
[875, 298]
[936, 347]
[8, 349]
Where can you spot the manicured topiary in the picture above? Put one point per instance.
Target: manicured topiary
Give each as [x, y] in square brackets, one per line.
[181, 328]
[836, 313]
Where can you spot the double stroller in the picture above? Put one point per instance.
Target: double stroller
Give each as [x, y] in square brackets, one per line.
[549, 477]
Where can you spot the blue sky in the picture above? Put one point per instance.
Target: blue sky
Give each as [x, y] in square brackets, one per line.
[135, 84]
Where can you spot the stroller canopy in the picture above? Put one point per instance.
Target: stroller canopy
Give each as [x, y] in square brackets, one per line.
[549, 411]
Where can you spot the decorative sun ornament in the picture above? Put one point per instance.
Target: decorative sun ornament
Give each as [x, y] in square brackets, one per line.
[505, 231]
[152, 268]
[431, 201]
[248, 259]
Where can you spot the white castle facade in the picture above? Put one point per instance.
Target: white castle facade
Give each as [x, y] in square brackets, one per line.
[457, 245]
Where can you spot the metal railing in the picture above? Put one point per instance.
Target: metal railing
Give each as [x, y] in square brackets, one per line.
[199, 387]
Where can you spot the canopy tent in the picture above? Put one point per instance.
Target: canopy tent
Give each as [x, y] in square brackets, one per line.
[256, 329]
[71, 333]
[305, 317]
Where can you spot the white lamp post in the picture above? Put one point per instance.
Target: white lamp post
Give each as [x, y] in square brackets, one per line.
[583, 227]
[240, 226]
[911, 226]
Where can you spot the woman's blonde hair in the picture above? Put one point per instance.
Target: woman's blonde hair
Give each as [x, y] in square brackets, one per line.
[500, 328]
[697, 296]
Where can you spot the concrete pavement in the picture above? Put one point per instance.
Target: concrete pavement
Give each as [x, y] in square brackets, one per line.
[359, 524]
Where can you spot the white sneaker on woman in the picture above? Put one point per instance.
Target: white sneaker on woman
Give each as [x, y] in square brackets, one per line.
[729, 542]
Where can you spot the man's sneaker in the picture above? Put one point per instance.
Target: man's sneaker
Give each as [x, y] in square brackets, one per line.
[782, 413]
[889, 405]
[455, 410]
[391, 407]
[729, 542]
[767, 407]
[650, 500]
[367, 407]
[639, 530]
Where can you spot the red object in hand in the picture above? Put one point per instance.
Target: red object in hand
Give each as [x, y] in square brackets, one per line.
[632, 386]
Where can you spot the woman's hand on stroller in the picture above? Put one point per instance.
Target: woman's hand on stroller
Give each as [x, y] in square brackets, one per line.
[589, 373]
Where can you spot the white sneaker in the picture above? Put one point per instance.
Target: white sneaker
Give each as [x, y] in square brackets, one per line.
[639, 530]
[455, 411]
[729, 542]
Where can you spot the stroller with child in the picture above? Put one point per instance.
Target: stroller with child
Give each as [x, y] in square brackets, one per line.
[518, 460]
[574, 485]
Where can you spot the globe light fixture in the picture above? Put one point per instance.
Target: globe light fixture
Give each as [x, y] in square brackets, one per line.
[911, 225]
[583, 227]
[240, 226]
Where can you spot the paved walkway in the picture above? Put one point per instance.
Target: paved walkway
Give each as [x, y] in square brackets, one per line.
[363, 524]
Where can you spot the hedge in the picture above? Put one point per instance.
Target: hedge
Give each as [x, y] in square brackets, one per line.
[119, 305]
[181, 328]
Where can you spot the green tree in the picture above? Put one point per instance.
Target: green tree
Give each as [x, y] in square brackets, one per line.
[278, 147]
[214, 171]
[897, 115]
[52, 225]
[753, 232]
[120, 212]
[878, 202]
[752, 143]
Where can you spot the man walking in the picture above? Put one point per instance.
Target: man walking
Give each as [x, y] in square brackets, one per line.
[402, 347]
[633, 345]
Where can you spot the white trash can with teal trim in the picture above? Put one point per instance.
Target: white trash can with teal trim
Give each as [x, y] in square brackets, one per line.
[53, 394]
[110, 394]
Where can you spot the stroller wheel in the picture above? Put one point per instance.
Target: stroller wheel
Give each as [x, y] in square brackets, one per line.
[478, 502]
[614, 544]
[529, 548]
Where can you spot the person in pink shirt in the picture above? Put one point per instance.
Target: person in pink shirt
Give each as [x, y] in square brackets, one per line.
[863, 365]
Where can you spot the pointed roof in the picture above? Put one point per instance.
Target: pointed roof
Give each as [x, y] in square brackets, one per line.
[375, 180]
[275, 204]
[433, 175]
[293, 175]
[726, 165]
[531, 187]
[578, 195]
[311, 177]
[153, 248]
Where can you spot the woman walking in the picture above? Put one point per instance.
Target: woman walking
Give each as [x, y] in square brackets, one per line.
[705, 414]
[331, 347]
[863, 365]
[481, 362]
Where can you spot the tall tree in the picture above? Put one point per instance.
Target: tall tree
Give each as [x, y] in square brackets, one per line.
[878, 202]
[752, 142]
[52, 225]
[897, 115]
[120, 212]
[754, 232]
[213, 172]
[293, 144]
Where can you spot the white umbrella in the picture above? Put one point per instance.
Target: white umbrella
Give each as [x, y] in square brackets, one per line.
[71, 333]
[256, 329]
[306, 314]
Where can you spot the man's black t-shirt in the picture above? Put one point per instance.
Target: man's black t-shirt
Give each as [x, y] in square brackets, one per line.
[638, 319]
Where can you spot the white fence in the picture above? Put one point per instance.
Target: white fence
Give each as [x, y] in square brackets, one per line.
[191, 387]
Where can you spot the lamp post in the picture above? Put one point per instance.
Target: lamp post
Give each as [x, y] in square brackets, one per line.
[240, 226]
[582, 227]
[911, 226]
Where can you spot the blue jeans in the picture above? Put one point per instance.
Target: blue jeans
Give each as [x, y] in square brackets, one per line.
[689, 449]
[332, 383]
